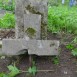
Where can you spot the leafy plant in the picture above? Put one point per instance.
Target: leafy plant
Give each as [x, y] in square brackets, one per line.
[13, 71]
[57, 2]
[53, 2]
[8, 21]
[70, 46]
[7, 4]
[62, 18]
[3, 75]
[56, 60]
[32, 70]
[74, 52]
[75, 40]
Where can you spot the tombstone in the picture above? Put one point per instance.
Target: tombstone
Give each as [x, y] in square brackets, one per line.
[71, 3]
[37, 47]
[75, 2]
[31, 30]
[38, 7]
[63, 1]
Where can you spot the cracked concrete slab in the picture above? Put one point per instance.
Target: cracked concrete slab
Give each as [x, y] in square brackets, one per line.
[14, 46]
[43, 47]
[37, 47]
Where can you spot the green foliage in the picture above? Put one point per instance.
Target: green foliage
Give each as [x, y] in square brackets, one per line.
[75, 40]
[70, 46]
[7, 5]
[53, 2]
[8, 21]
[3, 75]
[32, 70]
[56, 60]
[13, 71]
[62, 18]
[74, 52]
[57, 2]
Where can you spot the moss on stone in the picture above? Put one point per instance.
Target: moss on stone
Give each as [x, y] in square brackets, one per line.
[30, 32]
[0, 45]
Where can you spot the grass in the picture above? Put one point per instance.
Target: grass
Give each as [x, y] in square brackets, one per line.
[72, 46]
[62, 18]
[7, 5]
[57, 2]
[8, 21]
[56, 60]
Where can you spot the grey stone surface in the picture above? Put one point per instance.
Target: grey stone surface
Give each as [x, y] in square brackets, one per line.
[14, 46]
[19, 12]
[2, 13]
[0, 42]
[33, 21]
[30, 14]
[38, 7]
[43, 47]
[37, 47]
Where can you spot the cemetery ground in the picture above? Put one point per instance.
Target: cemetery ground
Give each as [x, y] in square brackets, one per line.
[64, 65]
[62, 22]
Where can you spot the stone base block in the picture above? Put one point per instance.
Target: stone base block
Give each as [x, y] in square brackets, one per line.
[37, 47]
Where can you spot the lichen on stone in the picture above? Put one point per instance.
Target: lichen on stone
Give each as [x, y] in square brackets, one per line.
[0, 45]
[30, 32]
[32, 10]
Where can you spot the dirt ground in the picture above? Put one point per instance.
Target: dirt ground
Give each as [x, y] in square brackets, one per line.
[67, 66]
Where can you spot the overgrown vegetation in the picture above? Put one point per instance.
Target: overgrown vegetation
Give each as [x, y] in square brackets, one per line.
[62, 18]
[56, 60]
[7, 5]
[72, 46]
[33, 70]
[57, 2]
[7, 21]
[14, 71]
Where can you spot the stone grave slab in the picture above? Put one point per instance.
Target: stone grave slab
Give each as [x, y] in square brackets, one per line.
[32, 22]
[43, 47]
[31, 30]
[38, 7]
[14, 46]
[37, 47]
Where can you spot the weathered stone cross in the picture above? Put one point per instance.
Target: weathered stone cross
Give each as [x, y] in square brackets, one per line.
[31, 30]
